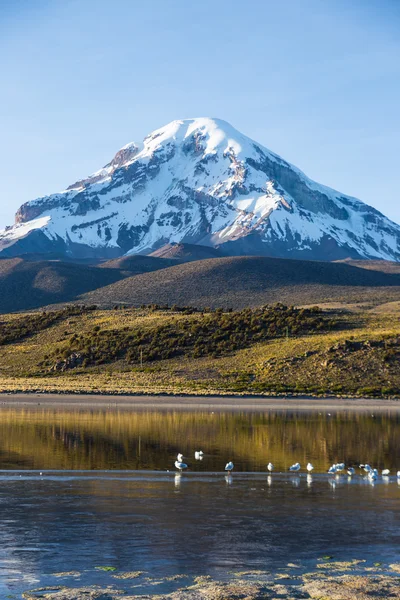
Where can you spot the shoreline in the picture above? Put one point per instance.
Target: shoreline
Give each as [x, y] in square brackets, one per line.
[194, 402]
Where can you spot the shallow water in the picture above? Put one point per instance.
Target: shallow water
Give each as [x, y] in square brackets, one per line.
[150, 439]
[136, 516]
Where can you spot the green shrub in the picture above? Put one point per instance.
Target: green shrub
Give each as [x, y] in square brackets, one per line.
[215, 334]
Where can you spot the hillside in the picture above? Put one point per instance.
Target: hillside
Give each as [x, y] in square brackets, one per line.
[201, 181]
[238, 282]
[186, 252]
[385, 266]
[270, 350]
[137, 263]
[26, 284]
[229, 282]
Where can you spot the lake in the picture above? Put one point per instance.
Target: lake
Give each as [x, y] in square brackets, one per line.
[82, 489]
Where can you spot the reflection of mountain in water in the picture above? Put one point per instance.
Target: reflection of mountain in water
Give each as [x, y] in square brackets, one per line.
[49, 439]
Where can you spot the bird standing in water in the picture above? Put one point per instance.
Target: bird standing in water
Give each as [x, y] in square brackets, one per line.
[229, 466]
[179, 464]
[295, 467]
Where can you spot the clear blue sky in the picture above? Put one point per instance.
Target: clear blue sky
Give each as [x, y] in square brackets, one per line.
[317, 81]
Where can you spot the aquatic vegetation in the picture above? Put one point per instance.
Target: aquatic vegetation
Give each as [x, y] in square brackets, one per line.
[253, 572]
[359, 585]
[353, 587]
[202, 579]
[395, 567]
[128, 574]
[340, 565]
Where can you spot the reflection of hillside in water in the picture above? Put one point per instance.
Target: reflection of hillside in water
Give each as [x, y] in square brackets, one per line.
[87, 439]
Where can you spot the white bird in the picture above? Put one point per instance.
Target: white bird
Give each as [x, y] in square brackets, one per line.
[340, 466]
[270, 467]
[179, 458]
[295, 467]
[180, 465]
[367, 468]
[398, 474]
[386, 472]
[351, 471]
[332, 469]
[310, 467]
[373, 475]
[198, 455]
[229, 466]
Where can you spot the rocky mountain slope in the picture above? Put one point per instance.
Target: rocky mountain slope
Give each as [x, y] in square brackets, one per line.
[200, 181]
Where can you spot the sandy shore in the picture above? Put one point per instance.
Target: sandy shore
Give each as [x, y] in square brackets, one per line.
[197, 402]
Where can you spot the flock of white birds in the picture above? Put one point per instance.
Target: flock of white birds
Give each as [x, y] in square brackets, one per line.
[372, 474]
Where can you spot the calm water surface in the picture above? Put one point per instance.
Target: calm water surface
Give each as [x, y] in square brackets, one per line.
[105, 496]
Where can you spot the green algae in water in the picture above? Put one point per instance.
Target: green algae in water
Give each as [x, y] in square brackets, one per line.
[175, 577]
[106, 568]
[341, 565]
[129, 575]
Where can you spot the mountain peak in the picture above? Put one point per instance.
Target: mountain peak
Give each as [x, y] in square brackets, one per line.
[216, 134]
[200, 181]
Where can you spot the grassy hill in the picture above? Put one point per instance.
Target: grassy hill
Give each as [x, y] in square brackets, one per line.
[240, 282]
[269, 350]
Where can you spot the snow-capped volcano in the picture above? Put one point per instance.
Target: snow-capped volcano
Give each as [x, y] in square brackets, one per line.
[201, 181]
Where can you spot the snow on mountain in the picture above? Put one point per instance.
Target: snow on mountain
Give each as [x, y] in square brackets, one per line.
[201, 181]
